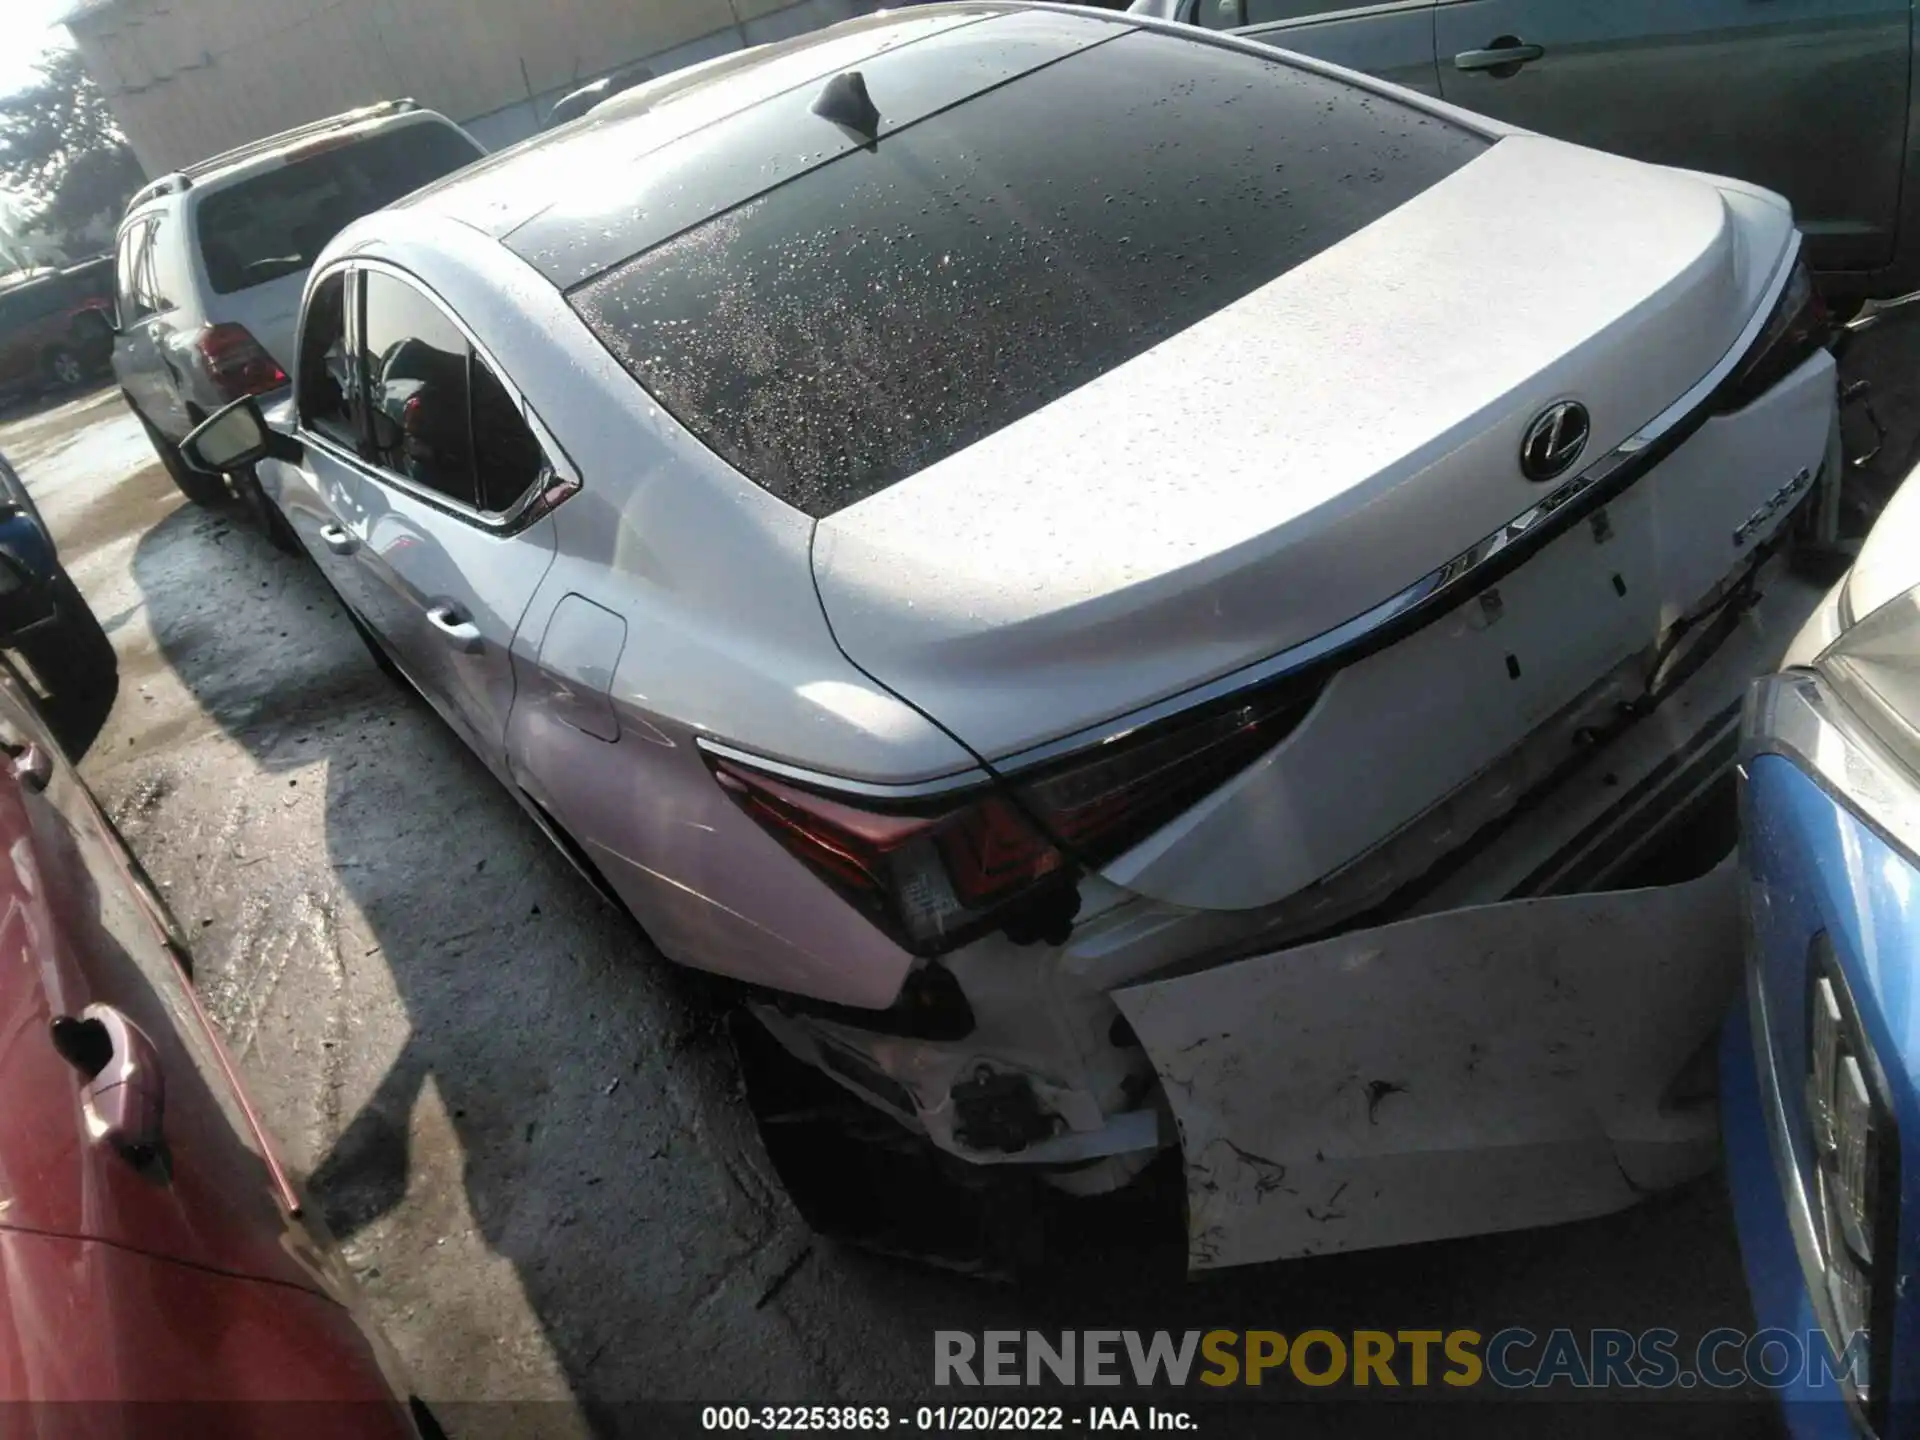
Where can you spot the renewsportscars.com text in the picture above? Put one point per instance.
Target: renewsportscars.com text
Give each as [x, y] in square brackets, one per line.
[1511, 1359]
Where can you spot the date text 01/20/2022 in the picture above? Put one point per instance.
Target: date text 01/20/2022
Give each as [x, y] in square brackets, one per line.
[796, 1419]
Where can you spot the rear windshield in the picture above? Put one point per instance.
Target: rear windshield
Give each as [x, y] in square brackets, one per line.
[897, 304]
[277, 222]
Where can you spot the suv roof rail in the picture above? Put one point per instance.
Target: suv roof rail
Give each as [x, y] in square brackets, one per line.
[166, 185]
[269, 143]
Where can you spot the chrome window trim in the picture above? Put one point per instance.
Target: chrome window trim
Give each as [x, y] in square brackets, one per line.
[953, 781]
[563, 479]
[1444, 586]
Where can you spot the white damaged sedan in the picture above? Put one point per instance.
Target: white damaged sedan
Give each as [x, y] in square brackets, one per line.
[1142, 592]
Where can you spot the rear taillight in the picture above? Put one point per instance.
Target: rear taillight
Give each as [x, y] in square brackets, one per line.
[931, 877]
[1799, 326]
[934, 875]
[1102, 802]
[238, 364]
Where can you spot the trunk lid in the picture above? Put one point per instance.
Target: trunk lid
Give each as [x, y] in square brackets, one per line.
[271, 313]
[1300, 456]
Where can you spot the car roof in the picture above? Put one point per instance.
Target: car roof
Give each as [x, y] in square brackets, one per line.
[702, 140]
[270, 151]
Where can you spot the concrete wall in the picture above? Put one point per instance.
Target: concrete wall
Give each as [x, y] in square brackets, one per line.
[188, 78]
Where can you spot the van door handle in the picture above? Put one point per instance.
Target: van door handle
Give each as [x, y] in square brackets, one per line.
[336, 539]
[454, 626]
[1502, 58]
[125, 1091]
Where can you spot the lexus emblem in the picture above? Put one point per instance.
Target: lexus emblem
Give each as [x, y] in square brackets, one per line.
[1554, 440]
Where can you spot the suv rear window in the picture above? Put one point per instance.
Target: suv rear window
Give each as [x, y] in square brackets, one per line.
[277, 222]
[895, 305]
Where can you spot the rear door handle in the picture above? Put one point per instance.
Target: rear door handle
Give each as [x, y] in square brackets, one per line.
[454, 626]
[32, 766]
[336, 539]
[1502, 58]
[125, 1092]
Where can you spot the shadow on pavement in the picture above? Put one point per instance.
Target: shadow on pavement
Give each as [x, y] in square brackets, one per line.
[595, 1119]
[28, 406]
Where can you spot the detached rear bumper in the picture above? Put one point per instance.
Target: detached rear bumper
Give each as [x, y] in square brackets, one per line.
[1477, 1070]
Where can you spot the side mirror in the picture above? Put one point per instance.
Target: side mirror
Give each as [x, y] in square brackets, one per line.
[236, 438]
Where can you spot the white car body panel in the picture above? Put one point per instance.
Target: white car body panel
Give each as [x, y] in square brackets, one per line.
[1441, 705]
[1389, 379]
[1477, 1070]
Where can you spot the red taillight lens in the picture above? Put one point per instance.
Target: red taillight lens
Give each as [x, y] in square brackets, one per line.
[1799, 326]
[936, 876]
[932, 878]
[238, 363]
[1104, 801]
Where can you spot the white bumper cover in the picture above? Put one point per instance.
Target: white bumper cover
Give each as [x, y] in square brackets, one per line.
[1471, 1071]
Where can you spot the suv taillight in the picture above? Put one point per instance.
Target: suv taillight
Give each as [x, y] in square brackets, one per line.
[1799, 326]
[934, 875]
[238, 364]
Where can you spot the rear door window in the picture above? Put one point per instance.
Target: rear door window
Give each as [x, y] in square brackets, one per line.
[437, 415]
[1267, 12]
[413, 361]
[507, 459]
[148, 277]
[874, 315]
[128, 294]
[123, 254]
[277, 222]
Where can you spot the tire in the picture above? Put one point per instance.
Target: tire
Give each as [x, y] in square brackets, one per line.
[200, 488]
[266, 514]
[63, 368]
[74, 662]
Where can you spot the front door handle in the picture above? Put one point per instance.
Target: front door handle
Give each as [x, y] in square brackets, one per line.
[454, 626]
[336, 539]
[1502, 58]
[32, 767]
[125, 1093]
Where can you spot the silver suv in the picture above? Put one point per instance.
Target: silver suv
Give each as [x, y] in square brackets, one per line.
[211, 260]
